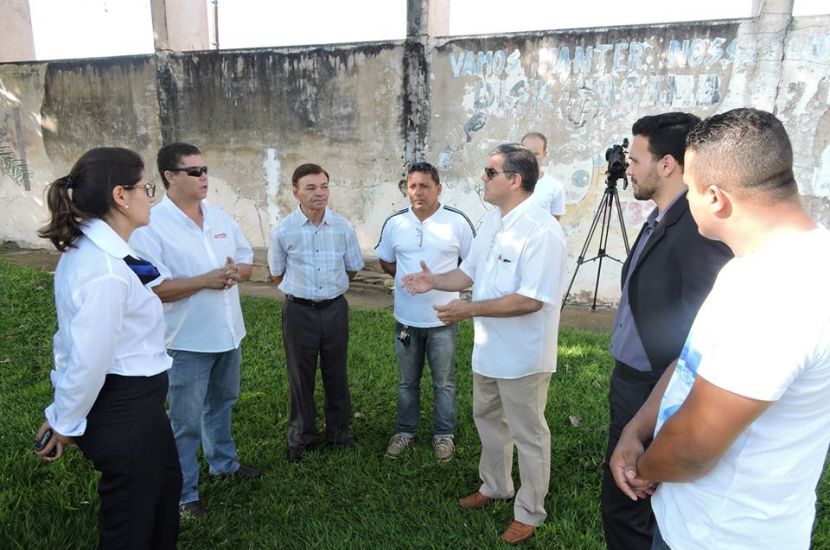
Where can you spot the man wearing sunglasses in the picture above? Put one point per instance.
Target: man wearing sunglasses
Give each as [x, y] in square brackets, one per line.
[201, 254]
[440, 235]
[517, 270]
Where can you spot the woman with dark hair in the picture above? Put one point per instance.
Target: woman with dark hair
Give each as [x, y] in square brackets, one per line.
[110, 363]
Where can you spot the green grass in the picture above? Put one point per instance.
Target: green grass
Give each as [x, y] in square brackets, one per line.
[333, 499]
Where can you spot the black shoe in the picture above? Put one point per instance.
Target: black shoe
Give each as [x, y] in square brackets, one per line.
[344, 440]
[192, 510]
[247, 472]
[295, 454]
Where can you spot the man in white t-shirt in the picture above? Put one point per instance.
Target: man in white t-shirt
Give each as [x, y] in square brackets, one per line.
[549, 192]
[201, 255]
[517, 270]
[741, 424]
[440, 236]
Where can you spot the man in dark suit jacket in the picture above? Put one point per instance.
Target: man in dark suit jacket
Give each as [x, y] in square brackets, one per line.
[665, 279]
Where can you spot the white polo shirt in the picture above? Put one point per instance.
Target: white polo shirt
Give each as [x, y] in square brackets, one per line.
[108, 323]
[209, 321]
[522, 253]
[441, 240]
[549, 193]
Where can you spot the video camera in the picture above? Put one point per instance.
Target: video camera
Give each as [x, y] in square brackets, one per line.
[617, 164]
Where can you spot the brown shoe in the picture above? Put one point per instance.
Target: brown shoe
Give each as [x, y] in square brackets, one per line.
[517, 532]
[475, 500]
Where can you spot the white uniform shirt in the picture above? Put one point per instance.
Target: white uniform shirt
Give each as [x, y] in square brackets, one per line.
[522, 253]
[209, 321]
[314, 259]
[763, 333]
[441, 241]
[549, 193]
[108, 323]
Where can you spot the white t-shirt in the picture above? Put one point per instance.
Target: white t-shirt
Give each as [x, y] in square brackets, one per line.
[763, 333]
[523, 253]
[550, 195]
[441, 241]
[209, 321]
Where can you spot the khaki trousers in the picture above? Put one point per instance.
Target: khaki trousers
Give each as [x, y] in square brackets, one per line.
[508, 412]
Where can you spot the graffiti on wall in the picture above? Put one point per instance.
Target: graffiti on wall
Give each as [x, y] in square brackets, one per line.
[591, 84]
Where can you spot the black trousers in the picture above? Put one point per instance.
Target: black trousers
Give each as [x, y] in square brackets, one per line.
[129, 440]
[311, 332]
[628, 525]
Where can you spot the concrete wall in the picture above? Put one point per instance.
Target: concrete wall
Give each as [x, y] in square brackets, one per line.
[364, 110]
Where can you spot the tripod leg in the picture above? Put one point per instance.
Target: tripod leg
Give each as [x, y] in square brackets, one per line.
[622, 222]
[581, 259]
[603, 239]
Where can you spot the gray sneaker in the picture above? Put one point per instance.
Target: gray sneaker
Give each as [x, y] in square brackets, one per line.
[444, 448]
[398, 444]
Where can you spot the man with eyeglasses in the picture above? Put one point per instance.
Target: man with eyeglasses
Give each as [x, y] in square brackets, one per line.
[441, 236]
[313, 256]
[201, 254]
[517, 270]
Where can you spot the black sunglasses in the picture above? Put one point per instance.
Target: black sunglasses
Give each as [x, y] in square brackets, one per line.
[492, 172]
[192, 171]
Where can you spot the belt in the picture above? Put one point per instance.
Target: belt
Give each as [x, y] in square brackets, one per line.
[316, 304]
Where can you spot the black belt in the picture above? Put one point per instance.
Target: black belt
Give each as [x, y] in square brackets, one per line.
[317, 304]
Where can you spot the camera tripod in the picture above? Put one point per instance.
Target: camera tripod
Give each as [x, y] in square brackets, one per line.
[610, 202]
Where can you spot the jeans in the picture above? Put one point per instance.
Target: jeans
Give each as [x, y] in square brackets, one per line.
[203, 388]
[658, 543]
[438, 345]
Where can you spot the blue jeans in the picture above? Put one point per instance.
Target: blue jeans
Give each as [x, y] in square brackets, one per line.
[658, 543]
[438, 345]
[203, 388]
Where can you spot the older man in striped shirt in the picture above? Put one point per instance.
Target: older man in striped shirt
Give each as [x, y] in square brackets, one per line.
[313, 256]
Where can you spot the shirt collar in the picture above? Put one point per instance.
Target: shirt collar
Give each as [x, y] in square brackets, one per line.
[656, 215]
[305, 219]
[514, 215]
[104, 237]
[178, 212]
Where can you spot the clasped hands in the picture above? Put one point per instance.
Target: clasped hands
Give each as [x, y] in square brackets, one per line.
[223, 278]
[424, 281]
[623, 466]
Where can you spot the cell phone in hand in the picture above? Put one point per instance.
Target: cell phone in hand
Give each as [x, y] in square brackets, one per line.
[44, 439]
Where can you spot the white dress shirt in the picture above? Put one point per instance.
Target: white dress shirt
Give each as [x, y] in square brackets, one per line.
[440, 241]
[314, 259]
[522, 253]
[209, 321]
[108, 323]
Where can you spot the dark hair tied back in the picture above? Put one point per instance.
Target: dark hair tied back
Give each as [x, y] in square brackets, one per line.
[91, 181]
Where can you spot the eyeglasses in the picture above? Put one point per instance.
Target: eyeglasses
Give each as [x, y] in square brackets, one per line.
[491, 173]
[149, 188]
[192, 171]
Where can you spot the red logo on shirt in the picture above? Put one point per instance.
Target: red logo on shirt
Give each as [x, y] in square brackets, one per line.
[221, 236]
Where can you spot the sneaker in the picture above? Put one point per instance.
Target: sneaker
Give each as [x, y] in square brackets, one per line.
[398, 444]
[444, 448]
[192, 510]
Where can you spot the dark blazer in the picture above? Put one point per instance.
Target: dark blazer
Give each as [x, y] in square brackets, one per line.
[674, 274]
